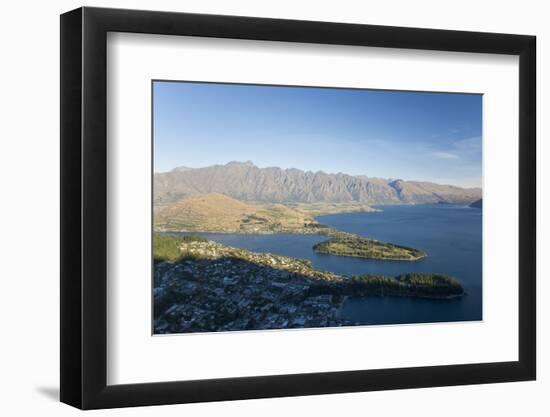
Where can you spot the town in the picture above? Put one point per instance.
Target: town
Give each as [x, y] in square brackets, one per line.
[215, 287]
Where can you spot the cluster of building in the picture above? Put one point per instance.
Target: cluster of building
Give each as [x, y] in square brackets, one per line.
[221, 288]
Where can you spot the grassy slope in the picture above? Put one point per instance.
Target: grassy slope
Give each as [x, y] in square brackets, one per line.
[320, 209]
[167, 247]
[218, 213]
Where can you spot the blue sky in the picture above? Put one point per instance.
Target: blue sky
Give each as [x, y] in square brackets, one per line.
[407, 135]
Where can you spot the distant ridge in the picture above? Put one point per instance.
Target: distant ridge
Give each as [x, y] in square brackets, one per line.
[246, 182]
[477, 204]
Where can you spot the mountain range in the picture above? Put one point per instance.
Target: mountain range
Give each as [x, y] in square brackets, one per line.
[246, 182]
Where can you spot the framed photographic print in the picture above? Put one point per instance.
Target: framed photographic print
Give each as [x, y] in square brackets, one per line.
[258, 207]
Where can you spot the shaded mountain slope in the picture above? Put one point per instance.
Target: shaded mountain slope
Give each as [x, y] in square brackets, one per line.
[247, 182]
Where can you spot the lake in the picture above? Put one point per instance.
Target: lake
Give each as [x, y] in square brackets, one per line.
[451, 235]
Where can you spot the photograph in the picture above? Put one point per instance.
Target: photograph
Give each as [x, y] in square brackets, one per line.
[292, 207]
[278, 205]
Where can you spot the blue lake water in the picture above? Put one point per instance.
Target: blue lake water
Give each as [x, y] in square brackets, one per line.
[451, 235]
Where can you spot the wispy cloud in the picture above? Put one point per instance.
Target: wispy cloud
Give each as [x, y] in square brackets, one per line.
[468, 144]
[467, 149]
[445, 155]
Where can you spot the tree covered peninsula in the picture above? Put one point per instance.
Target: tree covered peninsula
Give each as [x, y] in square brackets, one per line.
[217, 213]
[345, 244]
[200, 285]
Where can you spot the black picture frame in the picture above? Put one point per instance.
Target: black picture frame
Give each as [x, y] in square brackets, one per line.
[84, 207]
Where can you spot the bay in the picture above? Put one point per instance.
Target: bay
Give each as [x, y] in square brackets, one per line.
[451, 235]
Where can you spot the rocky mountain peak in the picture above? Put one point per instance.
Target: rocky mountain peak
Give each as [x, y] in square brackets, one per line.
[247, 182]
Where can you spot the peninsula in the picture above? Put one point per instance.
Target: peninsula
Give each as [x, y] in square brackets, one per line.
[477, 204]
[356, 246]
[200, 285]
[218, 213]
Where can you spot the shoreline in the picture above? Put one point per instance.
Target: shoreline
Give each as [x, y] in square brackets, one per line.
[328, 234]
[374, 259]
[331, 234]
[216, 287]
